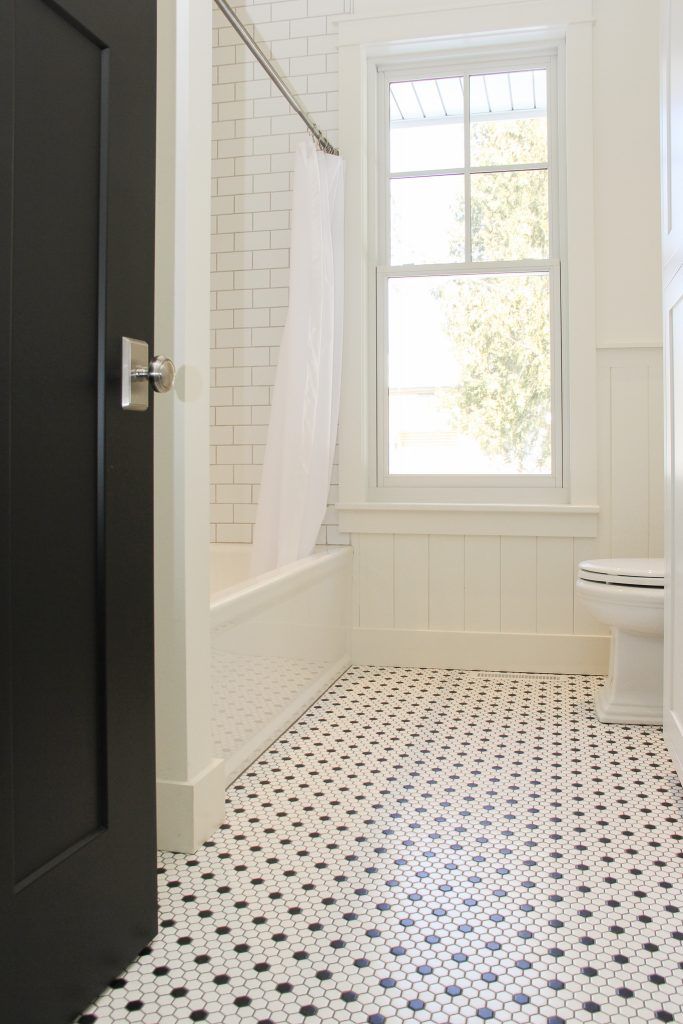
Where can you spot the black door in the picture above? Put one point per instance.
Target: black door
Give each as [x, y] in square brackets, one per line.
[77, 837]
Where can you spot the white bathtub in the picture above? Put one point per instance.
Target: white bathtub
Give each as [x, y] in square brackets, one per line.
[277, 642]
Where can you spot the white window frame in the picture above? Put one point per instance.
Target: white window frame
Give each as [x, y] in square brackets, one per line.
[371, 38]
[460, 488]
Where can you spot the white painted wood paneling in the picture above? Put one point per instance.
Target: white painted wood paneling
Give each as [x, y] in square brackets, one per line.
[518, 584]
[584, 623]
[631, 452]
[482, 584]
[656, 461]
[629, 393]
[555, 585]
[446, 583]
[411, 582]
[673, 622]
[355, 586]
[376, 580]
[605, 362]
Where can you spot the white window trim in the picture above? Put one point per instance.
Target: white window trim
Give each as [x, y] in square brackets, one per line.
[382, 486]
[367, 40]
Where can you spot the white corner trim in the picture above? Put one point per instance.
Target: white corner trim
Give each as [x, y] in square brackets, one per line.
[190, 786]
[189, 812]
[503, 652]
[480, 520]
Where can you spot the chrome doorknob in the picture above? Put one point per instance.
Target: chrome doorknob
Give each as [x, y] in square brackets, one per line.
[162, 374]
[137, 373]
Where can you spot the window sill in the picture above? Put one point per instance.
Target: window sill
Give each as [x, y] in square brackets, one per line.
[476, 520]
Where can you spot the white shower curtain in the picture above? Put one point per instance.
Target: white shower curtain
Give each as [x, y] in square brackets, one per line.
[305, 410]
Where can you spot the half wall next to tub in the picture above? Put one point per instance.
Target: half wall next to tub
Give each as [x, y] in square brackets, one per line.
[277, 642]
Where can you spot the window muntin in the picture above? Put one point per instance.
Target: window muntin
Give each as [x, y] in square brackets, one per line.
[468, 280]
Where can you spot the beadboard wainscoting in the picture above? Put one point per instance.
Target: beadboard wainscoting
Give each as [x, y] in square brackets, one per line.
[631, 452]
[465, 601]
[507, 602]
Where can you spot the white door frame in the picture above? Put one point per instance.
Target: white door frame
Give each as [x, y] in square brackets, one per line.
[190, 780]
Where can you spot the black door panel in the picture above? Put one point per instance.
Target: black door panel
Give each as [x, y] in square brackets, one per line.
[77, 846]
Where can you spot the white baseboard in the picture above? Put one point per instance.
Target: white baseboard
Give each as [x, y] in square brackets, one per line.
[261, 740]
[673, 734]
[191, 811]
[504, 652]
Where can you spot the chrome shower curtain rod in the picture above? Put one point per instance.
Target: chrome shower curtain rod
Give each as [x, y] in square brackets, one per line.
[260, 56]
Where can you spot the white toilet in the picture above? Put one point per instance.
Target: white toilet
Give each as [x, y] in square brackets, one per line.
[627, 594]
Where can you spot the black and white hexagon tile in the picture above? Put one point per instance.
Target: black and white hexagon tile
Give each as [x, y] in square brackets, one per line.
[430, 846]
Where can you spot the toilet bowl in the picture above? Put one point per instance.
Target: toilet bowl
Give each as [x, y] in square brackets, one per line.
[627, 594]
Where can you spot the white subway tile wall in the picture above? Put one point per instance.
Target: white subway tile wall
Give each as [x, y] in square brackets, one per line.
[254, 139]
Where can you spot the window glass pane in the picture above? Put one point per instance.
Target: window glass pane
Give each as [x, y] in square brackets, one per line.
[427, 147]
[427, 125]
[509, 119]
[510, 215]
[428, 220]
[469, 378]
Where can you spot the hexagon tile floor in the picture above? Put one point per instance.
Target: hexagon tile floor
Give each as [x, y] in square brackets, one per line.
[430, 846]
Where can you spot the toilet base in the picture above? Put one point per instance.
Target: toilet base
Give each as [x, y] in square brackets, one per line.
[633, 691]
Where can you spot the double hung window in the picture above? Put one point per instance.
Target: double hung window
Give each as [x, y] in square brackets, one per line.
[469, 354]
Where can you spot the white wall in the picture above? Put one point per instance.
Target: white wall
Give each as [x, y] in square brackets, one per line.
[526, 583]
[627, 238]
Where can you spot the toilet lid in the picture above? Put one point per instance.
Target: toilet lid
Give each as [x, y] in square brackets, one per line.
[625, 572]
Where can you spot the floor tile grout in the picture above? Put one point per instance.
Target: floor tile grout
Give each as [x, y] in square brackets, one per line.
[429, 845]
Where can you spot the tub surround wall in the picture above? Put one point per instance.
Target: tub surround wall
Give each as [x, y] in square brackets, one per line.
[254, 138]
